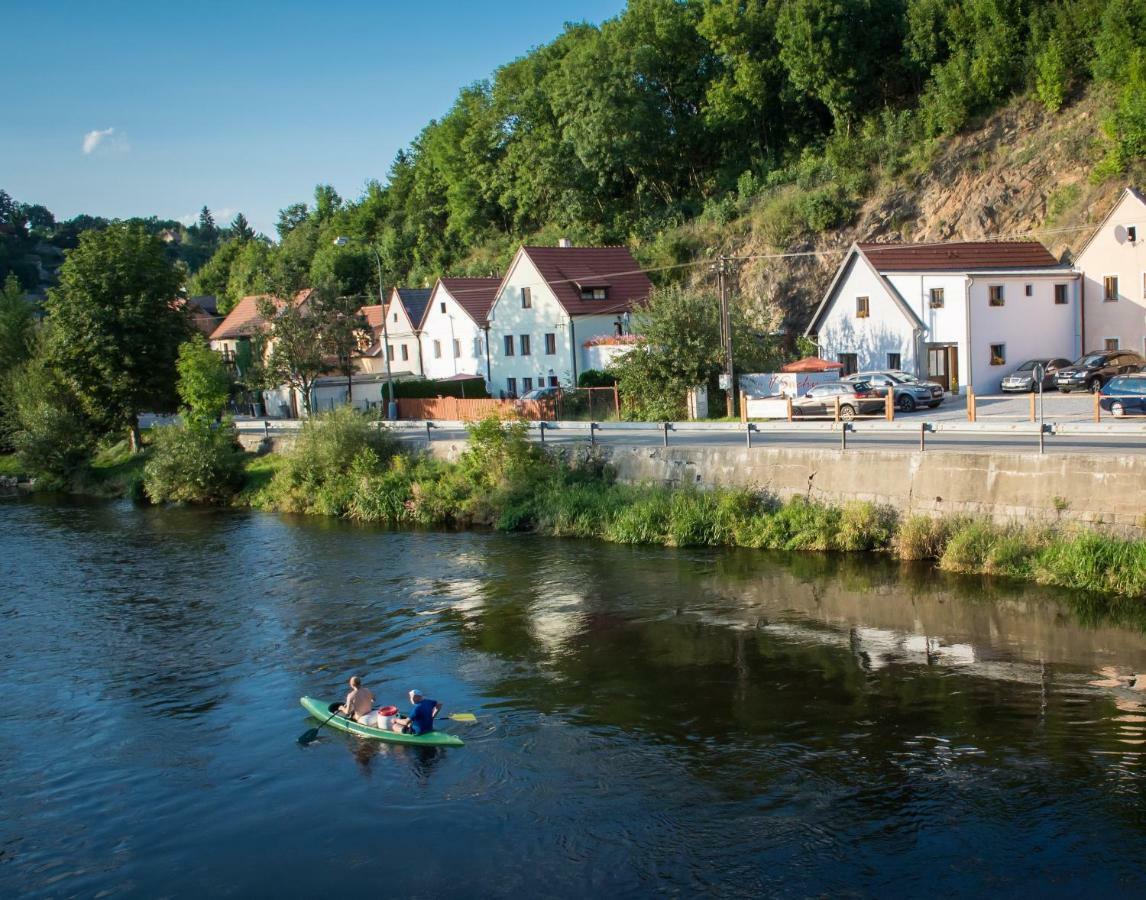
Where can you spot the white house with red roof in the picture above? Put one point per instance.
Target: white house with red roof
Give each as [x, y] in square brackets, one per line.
[551, 301]
[1113, 265]
[962, 313]
[453, 327]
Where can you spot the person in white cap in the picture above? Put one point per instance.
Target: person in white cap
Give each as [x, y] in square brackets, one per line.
[421, 718]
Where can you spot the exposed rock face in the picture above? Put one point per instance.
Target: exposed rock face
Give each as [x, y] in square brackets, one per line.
[1023, 173]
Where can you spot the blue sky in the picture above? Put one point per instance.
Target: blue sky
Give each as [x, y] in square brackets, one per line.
[151, 108]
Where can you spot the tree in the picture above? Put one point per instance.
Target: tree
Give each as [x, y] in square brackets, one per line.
[290, 218]
[296, 354]
[115, 329]
[17, 326]
[344, 330]
[326, 202]
[208, 231]
[241, 228]
[204, 381]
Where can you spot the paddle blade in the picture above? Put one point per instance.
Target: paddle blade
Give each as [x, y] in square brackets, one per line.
[463, 717]
[307, 736]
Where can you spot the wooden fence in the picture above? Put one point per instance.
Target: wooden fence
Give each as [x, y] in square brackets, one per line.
[453, 408]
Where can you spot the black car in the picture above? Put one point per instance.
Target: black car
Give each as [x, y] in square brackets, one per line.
[1023, 378]
[1125, 395]
[1095, 369]
[856, 398]
[910, 392]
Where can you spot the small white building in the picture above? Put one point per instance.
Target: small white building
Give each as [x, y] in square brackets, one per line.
[404, 309]
[550, 302]
[959, 313]
[452, 331]
[1113, 266]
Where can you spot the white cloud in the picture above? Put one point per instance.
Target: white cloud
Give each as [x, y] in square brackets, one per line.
[105, 140]
[94, 138]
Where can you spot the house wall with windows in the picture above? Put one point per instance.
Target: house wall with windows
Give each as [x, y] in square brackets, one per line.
[452, 343]
[1113, 266]
[405, 348]
[509, 318]
[870, 339]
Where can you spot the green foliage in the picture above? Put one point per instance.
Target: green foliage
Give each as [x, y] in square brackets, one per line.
[591, 378]
[422, 388]
[204, 380]
[45, 423]
[1052, 75]
[115, 330]
[1125, 127]
[17, 326]
[194, 463]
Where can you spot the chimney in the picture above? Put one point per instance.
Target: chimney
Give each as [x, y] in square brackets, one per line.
[564, 243]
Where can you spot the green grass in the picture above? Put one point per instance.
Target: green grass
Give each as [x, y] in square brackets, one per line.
[9, 465]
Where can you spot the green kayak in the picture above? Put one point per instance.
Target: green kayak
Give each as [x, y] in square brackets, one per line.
[321, 711]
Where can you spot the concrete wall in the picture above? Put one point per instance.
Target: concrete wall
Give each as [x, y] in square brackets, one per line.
[1003, 486]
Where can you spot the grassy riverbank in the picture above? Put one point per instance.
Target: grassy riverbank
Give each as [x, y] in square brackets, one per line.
[341, 468]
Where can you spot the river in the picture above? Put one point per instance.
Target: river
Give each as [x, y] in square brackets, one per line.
[649, 720]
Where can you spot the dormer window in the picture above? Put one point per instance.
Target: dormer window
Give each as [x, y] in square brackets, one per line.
[593, 293]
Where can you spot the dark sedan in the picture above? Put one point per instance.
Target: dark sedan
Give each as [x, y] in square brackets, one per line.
[1125, 396]
[855, 398]
[1023, 378]
[1095, 369]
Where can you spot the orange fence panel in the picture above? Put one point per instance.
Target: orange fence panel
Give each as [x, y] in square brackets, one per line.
[454, 409]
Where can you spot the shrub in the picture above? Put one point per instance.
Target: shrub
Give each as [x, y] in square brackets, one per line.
[193, 463]
[204, 382]
[922, 537]
[52, 438]
[865, 526]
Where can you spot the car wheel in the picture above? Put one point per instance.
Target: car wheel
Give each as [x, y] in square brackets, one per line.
[847, 413]
[1117, 409]
[906, 403]
[1094, 385]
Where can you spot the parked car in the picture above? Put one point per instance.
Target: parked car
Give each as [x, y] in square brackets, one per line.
[542, 393]
[909, 390]
[1023, 378]
[1092, 371]
[1125, 395]
[856, 398]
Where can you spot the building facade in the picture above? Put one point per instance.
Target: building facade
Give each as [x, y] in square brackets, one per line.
[1113, 266]
[452, 331]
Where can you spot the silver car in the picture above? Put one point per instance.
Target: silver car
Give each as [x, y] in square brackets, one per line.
[910, 392]
[1023, 378]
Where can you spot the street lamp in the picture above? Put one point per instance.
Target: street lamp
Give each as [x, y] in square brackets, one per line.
[392, 405]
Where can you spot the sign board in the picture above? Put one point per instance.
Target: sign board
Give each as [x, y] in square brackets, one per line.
[725, 382]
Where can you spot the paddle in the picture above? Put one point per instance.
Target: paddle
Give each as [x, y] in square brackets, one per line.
[307, 736]
[461, 717]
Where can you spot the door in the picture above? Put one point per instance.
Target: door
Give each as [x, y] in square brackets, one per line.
[937, 369]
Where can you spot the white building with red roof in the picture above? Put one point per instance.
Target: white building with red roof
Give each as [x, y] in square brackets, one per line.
[550, 302]
[453, 327]
[961, 313]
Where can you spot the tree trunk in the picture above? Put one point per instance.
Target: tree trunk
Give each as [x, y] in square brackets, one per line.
[134, 438]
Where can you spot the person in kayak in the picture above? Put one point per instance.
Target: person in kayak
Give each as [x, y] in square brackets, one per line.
[421, 718]
[359, 701]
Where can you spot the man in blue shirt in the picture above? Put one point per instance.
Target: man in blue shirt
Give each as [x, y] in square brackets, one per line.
[421, 718]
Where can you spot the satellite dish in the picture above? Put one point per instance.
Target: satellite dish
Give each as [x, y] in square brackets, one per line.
[1120, 233]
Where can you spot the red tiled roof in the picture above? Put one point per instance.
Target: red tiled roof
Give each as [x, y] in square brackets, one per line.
[958, 256]
[811, 364]
[374, 314]
[244, 320]
[474, 295]
[568, 269]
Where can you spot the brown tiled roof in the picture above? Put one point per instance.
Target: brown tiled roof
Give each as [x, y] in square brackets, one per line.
[374, 314]
[245, 320]
[568, 269]
[958, 256]
[474, 295]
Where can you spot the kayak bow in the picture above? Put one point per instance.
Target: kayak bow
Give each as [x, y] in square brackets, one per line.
[321, 710]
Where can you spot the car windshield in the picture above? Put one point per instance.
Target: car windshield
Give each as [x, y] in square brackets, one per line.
[903, 377]
[1095, 359]
[1029, 365]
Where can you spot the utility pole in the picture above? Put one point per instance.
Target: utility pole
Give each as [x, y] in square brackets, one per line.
[723, 270]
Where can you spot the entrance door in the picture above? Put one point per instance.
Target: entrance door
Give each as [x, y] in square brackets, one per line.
[942, 364]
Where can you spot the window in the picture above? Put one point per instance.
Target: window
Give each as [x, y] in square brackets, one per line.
[395, 317]
[457, 349]
[1132, 233]
[390, 352]
[526, 298]
[553, 381]
[893, 361]
[524, 341]
[477, 346]
[550, 344]
[995, 295]
[509, 345]
[1110, 288]
[437, 349]
[1030, 290]
[442, 306]
[405, 353]
[850, 363]
[593, 293]
[1144, 285]
[936, 298]
[1060, 297]
[863, 307]
[1110, 343]
[998, 354]
[511, 386]
[526, 385]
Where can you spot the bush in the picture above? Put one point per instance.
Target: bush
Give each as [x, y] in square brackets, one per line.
[922, 537]
[193, 463]
[52, 438]
[425, 388]
[592, 378]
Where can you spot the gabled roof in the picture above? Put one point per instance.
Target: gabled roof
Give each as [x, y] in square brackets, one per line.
[1126, 192]
[374, 314]
[414, 300]
[569, 269]
[856, 253]
[474, 295]
[245, 319]
[957, 256]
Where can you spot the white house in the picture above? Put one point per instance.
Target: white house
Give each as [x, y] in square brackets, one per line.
[404, 310]
[452, 331]
[550, 302]
[1113, 266]
[959, 313]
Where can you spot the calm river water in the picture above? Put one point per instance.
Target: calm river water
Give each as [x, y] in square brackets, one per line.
[649, 720]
